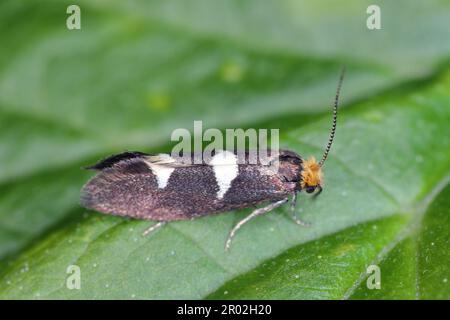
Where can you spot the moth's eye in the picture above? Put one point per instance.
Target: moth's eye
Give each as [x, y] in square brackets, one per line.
[310, 189]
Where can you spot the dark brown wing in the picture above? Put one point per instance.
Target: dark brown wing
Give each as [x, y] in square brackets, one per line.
[131, 186]
[128, 187]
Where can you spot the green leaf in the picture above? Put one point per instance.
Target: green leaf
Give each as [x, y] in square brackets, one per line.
[412, 255]
[148, 79]
[363, 210]
[159, 65]
[138, 70]
[322, 269]
[417, 265]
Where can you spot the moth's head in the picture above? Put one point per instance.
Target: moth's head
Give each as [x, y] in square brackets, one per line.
[311, 175]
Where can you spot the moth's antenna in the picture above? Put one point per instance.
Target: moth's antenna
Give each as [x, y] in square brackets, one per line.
[333, 126]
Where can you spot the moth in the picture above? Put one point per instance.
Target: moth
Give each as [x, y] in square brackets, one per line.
[161, 188]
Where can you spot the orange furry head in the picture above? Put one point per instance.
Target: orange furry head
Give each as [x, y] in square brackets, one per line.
[311, 174]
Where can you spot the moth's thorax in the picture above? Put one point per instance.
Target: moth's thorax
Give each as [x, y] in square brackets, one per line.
[290, 166]
[311, 174]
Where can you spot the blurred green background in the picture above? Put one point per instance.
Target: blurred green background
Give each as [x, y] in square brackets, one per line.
[137, 70]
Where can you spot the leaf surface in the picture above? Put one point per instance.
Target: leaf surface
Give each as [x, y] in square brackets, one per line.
[138, 70]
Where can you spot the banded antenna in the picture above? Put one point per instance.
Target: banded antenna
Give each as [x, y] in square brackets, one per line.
[333, 126]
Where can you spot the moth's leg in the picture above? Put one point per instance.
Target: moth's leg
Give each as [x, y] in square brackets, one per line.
[294, 216]
[153, 227]
[254, 214]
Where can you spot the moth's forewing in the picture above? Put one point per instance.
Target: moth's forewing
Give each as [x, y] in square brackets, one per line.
[130, 188]
[152, 187]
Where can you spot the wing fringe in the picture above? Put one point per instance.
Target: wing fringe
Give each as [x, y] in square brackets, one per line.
[115, 159]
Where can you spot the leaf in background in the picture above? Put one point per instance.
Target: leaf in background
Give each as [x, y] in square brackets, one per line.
[35, 204]
[137, 70]
[322, 269]
[124, 81]
[413, 262]
[377, 179]
[417, 267]
[410, 41]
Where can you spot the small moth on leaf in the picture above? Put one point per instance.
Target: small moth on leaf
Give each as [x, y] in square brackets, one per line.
[162, 188]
